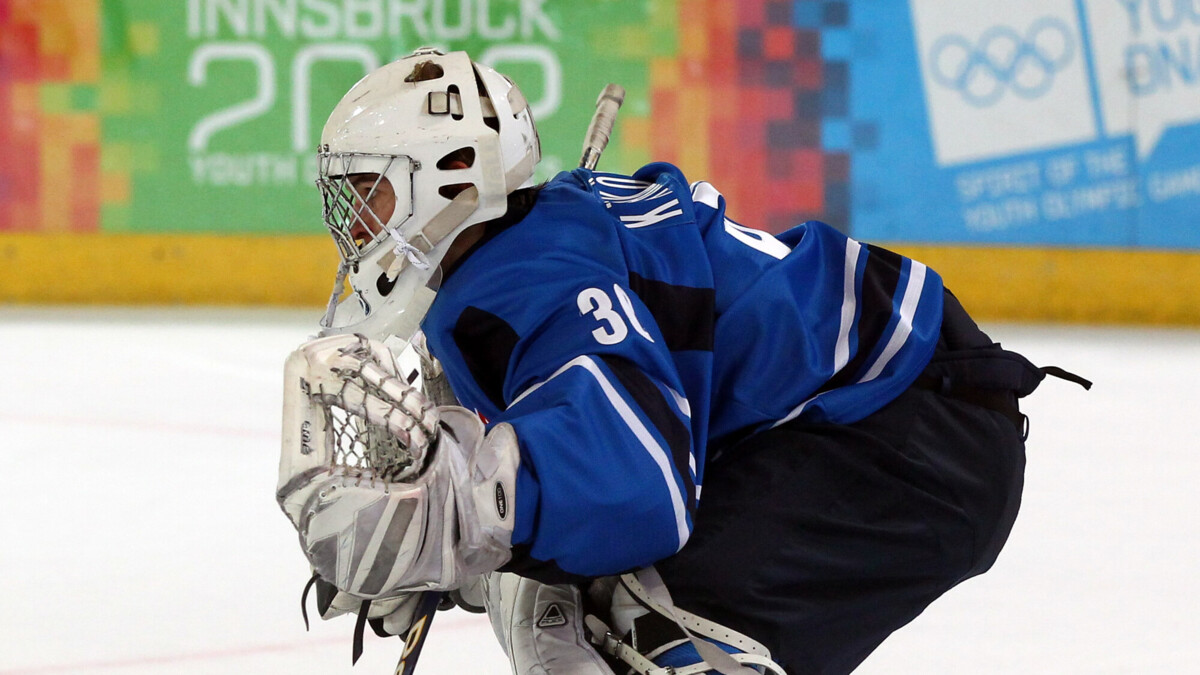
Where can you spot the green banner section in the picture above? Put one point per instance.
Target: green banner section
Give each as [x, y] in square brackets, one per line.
[214, 108]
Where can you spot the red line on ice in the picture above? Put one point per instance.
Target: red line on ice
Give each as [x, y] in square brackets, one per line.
[206, 656]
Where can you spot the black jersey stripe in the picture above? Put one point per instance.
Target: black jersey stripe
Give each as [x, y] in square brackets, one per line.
[486, 343]
[662, 416]
[881, 276]
[685, 314]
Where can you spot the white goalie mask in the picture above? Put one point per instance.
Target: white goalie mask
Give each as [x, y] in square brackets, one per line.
[416, 152]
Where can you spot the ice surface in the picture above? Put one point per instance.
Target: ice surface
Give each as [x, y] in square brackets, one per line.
[140, 534]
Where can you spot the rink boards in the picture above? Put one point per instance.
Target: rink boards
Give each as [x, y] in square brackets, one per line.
[1095, 285]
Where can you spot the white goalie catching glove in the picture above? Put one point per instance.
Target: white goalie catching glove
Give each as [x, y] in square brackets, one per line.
[389, 493]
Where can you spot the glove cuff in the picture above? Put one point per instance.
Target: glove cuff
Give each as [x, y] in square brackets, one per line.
[485, 495]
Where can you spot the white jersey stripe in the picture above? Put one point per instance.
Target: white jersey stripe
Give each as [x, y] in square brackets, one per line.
[681, 402]
[841, 352]
[639, 430]
[644, 195]
[908, 309]
[794, 414]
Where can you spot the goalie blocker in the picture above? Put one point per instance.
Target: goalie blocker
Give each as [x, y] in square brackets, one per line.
[388, 493]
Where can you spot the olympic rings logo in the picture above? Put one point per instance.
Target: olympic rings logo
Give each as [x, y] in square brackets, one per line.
[1002, 60]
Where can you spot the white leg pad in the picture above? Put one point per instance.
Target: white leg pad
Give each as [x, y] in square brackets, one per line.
[541, 627]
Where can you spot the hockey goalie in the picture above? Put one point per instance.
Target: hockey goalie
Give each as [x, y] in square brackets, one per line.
[643, 436]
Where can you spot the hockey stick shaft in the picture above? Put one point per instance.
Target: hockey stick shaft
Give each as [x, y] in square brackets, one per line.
[601, 126]
[426, 610]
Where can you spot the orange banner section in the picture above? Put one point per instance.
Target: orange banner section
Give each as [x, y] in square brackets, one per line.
[166, 269]
[1127, 286]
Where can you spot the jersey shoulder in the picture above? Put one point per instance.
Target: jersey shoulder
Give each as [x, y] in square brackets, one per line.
[655, 196]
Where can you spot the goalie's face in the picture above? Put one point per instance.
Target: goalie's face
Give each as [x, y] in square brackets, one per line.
[364, 198]
[374, 204]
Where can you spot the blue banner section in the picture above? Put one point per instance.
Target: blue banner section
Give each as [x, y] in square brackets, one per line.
[1052, 122]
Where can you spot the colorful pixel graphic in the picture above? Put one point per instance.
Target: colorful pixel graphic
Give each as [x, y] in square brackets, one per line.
[744, 105]
[50, 178]
[101, 102]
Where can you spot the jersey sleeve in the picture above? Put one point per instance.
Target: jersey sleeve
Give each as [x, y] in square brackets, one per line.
[608, 475]
[563, 349]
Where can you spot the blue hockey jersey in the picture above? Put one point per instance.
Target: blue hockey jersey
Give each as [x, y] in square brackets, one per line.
[629, 329]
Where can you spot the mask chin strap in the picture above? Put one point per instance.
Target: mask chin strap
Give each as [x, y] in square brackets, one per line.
[413, 254]
[437, 229]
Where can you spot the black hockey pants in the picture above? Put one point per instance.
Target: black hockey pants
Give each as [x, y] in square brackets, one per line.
[820, 540]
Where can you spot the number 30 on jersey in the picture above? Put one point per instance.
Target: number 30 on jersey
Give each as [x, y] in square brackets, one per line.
[614, 323]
